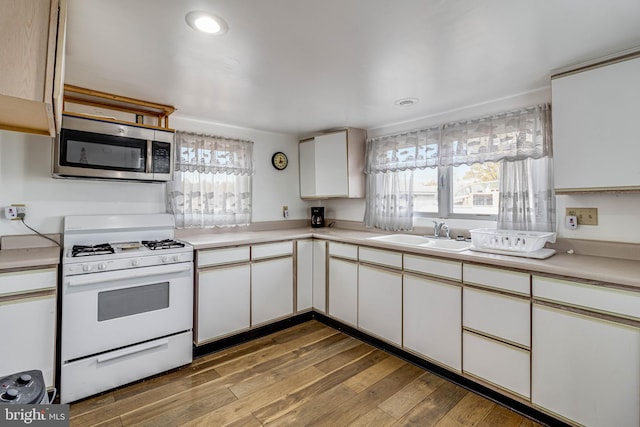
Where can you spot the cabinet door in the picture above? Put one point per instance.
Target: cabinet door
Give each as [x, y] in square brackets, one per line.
[29, 86]
[586, 369]
[498, 315]
[304, 279]
[271, 290]
[499, 363]
[306, 151]
[332, 175]
[380, 303]
[590, 110]
[432, 320]
[29, 343]
[223, 301]
[320, 275]
[343, 290]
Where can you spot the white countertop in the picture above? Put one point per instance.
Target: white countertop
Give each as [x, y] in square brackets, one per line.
[611, 271]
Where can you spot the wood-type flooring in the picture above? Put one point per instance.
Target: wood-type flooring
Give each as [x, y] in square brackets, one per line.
[306, 375]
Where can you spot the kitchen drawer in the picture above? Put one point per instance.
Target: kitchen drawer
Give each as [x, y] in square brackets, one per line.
[91, 375]
[433, 267]
[502, 316]
[505, 280]
[380, 257]
[271, 250]
[607, 300]
[498, 363]
[211, 257]
[17, 282]
[343, 250]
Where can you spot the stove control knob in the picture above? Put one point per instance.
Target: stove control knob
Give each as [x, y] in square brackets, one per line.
[24, 379]
[135, 262]
[86, 268]
[102, 266]
[10, 394]
[165, 259]
[176, 257]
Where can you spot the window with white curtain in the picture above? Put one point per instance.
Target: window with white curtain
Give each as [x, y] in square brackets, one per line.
[494, 167]
[212, 181]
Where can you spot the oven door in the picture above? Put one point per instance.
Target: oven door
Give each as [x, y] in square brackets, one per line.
[105, 311]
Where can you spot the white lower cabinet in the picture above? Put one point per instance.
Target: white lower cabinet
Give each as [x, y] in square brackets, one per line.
[28, 316]
[223, 301]
[432, 320]
[304, 275]
[271, 290]
[501, 364]
[586, 369]
[343, 290]
[380, 303]
[320, 276]
[496, 323]
[29, 342]
[498, 315]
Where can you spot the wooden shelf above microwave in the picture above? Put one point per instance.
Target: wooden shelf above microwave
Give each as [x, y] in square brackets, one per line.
[89, 103]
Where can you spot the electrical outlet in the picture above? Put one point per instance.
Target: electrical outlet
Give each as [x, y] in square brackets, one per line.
[10, 212]
[285, 211]
[585, 216]
[15, 211]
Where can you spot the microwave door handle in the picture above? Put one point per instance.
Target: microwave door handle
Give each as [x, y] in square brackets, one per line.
[149, 165]
[109, 276]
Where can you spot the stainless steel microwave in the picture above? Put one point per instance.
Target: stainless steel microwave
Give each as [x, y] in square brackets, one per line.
[96, 149]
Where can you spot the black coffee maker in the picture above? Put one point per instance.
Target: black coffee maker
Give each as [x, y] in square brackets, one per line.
[317, 217]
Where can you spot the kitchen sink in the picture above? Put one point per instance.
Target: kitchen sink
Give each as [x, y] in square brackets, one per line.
[424, 242]
[447, 245]
[402, 239]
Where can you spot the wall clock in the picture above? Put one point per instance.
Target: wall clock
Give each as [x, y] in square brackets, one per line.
[279, 160]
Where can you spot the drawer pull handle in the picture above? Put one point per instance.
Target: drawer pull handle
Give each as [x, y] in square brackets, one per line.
[133, 350]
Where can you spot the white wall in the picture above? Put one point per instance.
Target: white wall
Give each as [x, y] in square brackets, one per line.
[25, 177]
[618, 216]
[618, 213]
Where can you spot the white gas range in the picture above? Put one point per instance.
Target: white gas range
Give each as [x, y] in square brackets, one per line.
[126, 301]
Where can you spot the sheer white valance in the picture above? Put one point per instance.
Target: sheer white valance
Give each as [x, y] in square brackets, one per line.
[514, 135]
[213, 154]
[212, 181]
[406, 151]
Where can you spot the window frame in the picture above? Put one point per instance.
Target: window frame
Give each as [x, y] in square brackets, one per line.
[445, 200]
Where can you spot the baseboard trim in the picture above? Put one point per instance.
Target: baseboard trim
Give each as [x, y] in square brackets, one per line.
[253, 334]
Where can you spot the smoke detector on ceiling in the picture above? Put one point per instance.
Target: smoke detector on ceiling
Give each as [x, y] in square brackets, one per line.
[406, 102]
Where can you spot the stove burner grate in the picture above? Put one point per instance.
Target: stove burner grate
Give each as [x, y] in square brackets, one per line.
[162, 244]
[86, 250]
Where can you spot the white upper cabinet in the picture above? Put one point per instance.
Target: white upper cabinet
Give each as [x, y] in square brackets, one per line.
[596, 133]
[332, 165]
[32, 42]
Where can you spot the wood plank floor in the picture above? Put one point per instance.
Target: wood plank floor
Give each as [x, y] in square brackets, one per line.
[307, 375]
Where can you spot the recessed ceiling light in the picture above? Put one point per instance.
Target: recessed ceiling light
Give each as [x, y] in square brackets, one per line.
[206, 22]
[406, 102]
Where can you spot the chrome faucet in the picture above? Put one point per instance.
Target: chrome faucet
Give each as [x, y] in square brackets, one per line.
[438, 227]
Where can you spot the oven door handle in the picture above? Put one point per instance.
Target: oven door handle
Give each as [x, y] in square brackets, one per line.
[110, 276]
[132, 350]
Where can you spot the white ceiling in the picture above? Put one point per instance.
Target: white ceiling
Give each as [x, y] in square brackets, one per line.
[298, 66]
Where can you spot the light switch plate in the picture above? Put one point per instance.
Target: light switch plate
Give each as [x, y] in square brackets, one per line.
[586, 216]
